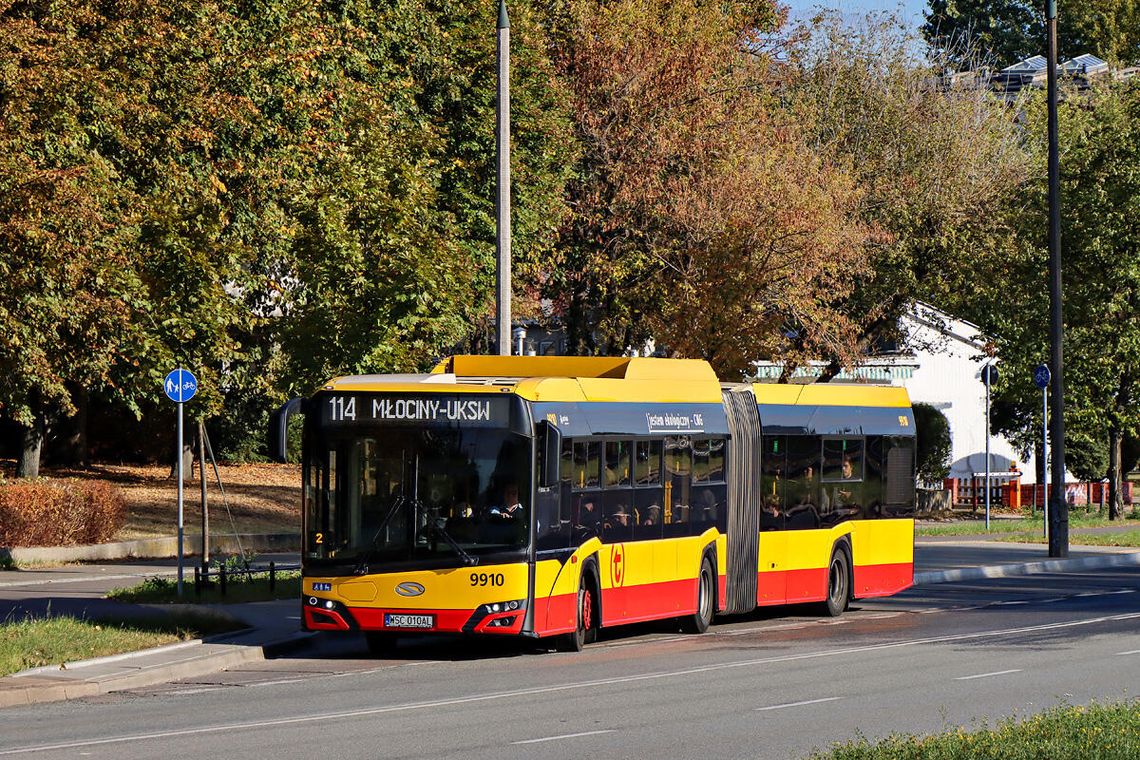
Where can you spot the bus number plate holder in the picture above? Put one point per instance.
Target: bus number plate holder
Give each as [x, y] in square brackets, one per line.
[398, 620]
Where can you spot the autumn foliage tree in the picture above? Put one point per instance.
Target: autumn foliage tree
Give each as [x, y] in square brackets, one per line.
[698, 215]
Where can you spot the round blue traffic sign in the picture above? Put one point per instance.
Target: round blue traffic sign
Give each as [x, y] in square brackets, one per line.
[180, 385]
[1042, 376]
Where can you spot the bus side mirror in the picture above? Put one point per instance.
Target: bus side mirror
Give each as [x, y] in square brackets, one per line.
[551, 453]
[279, 429]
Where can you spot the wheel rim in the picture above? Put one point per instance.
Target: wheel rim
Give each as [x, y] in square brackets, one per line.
[587, 610]
[837, 581]
[706, 596]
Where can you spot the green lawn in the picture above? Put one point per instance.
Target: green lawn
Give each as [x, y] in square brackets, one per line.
[239, 588]
[1097, 732]
[31, 643]
[1027, 525]
[1124, 538]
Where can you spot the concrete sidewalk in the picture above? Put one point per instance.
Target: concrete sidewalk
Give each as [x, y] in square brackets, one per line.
[940, 561]
[274, 627]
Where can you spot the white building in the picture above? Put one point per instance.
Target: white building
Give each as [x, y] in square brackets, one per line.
[939, 363]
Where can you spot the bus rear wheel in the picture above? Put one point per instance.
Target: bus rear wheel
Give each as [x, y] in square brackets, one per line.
[838, 584]
[584, 631]
[700, 620]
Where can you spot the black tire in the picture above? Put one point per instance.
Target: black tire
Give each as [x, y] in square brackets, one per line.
[700, 620]
[381, 643]
[838, 583]
[584, 632]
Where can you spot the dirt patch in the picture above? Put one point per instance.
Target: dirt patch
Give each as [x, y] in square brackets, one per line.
[262, 498]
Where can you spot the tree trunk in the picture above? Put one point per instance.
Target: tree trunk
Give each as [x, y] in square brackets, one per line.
[1115, 493]
[77, 451]
[31, 446]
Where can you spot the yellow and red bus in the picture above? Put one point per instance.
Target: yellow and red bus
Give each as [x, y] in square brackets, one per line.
[549, 497]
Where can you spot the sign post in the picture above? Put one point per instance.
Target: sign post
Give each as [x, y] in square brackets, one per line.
[180, 386]
[1041, 378]
[989, 377]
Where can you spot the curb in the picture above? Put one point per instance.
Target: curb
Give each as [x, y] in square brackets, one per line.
[44, 684]
[152, 548]
[932, 577]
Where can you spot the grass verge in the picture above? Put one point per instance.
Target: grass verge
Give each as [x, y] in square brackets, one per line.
[1124, 538]
[33, 643]
[240, 588]
[1027, 525]
[1096, 732]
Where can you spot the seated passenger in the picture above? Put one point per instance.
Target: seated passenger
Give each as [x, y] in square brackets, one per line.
[652, 515]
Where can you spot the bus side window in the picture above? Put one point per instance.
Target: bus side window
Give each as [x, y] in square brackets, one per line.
[648, 494]
[774, 465]
[801, 489]
[678, 471]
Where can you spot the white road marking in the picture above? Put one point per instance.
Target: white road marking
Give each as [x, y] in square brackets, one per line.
[798, 704]
[987, 675]
[1011, 603]
[573, 686]
[1134, 651]
[564, 736]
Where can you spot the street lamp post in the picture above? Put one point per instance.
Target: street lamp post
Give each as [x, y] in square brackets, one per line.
[503, 197]
[1058, 510]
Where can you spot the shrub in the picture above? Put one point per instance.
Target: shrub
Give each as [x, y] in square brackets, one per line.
[59, 512]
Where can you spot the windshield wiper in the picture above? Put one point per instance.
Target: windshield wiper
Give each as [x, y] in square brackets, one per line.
[433, 523]
[362, 566]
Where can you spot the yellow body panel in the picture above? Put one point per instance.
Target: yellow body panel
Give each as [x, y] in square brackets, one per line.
[443, 589]
[826, 394]
[873, 542]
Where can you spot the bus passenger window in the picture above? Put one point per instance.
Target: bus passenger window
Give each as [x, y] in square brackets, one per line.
[567, 472]
[647, 463]
[617, 464]
[586, 463]
[774, 474]
[801, 488]
[617, 525]
[678, 469]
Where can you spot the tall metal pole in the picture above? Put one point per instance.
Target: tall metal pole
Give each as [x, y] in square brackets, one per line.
[1045, 457]
[503, 200]
[180, 528]
[205, 503]
[1058, 509]
[986, 377]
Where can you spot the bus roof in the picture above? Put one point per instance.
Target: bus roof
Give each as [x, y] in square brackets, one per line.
[608, 378]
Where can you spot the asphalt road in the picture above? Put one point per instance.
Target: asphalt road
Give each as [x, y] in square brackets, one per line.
[773, 685]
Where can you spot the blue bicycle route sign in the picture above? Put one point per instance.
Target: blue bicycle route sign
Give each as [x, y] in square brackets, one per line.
[1042, 376]
[180, 385]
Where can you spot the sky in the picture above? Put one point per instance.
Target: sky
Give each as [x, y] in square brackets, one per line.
[910, 8]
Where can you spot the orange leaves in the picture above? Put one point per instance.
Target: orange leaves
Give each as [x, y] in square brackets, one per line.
[706, 220]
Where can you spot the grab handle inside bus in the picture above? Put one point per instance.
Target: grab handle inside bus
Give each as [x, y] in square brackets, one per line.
[551, 453]
[279, 429]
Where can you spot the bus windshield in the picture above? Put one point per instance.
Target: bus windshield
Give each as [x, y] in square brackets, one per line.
[440, 496]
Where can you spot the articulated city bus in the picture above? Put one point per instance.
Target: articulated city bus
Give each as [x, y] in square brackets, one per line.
[549, 497]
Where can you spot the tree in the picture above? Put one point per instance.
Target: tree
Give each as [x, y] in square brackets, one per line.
[698, 215]
[932, 455]
[936, 165]
[1100, 153]
[1110, 30]
[68, 288]
[1000, 33]
[994, 32]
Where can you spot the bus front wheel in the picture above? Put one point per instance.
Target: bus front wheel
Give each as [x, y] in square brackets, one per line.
[700, 620]
[573, 642]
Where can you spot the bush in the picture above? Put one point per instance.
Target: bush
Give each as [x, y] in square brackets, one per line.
[59, 512]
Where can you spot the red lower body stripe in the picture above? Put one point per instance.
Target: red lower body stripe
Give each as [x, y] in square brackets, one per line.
[810, 585]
